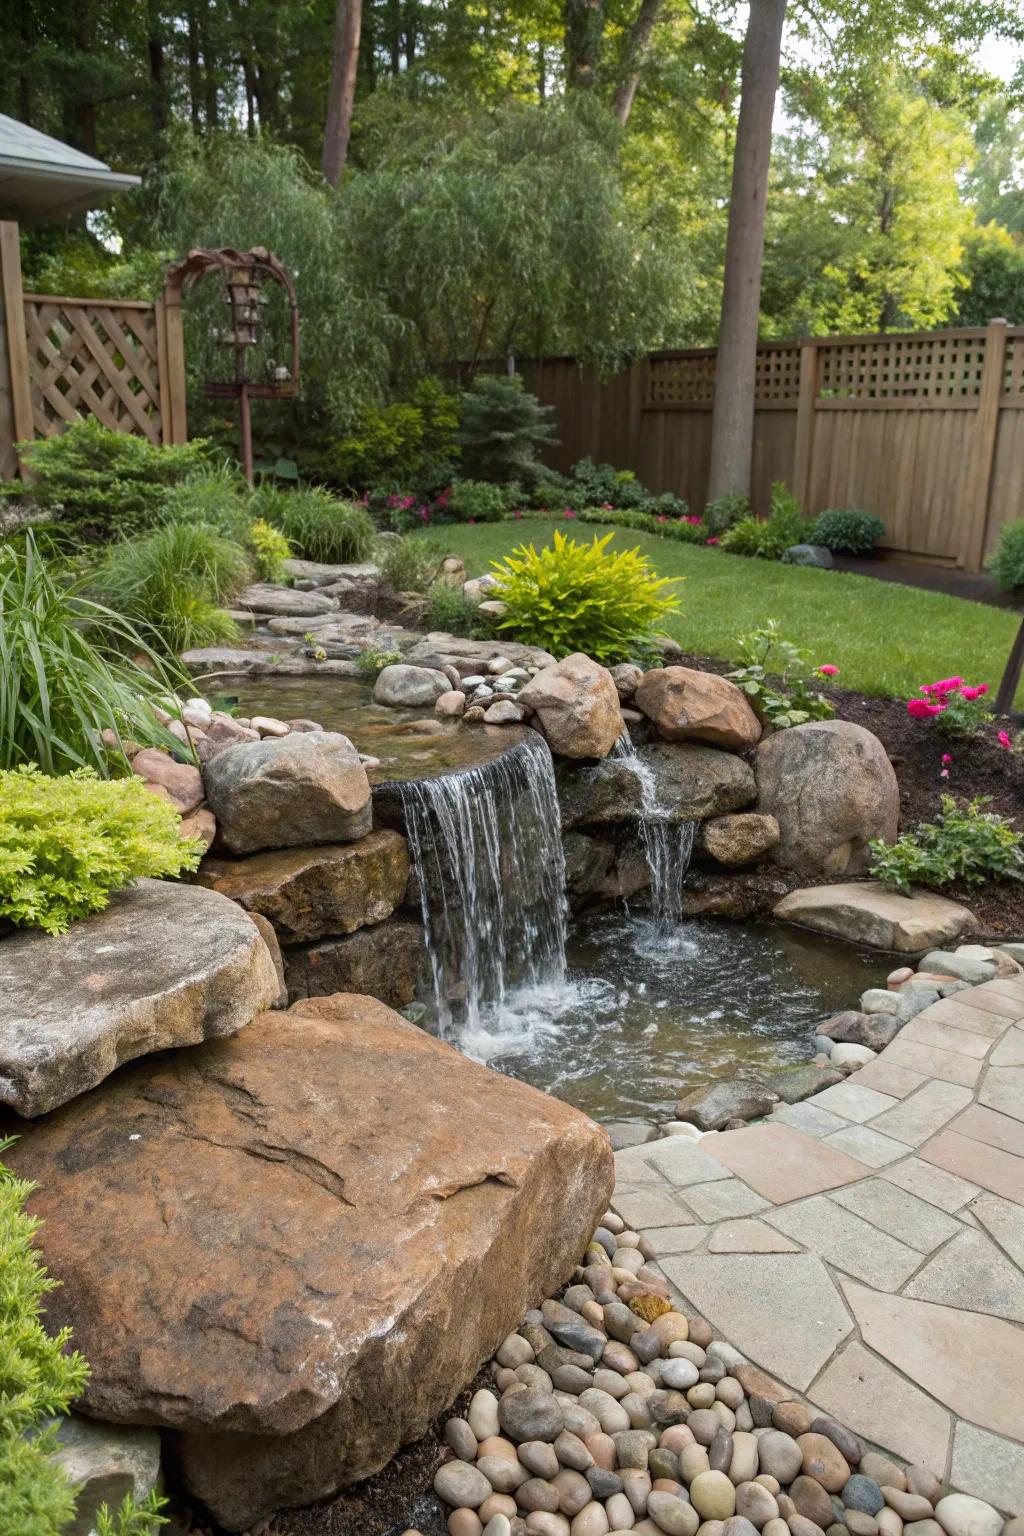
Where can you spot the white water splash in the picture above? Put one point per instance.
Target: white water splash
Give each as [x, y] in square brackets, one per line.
[668, 845]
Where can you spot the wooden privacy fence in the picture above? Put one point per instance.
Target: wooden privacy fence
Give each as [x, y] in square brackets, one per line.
[927, 430]
[118, 360]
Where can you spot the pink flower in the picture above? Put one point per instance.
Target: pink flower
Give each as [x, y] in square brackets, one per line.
[947, 685]
[944, 774]
[693, 519]
[946, 758]
[517, 514]
[920, 709]
[1004, 740]
[974, 693]
[828, 670]
[471, 521]
[662, 518]
[606, 506]
[568, 512]
[712, 540]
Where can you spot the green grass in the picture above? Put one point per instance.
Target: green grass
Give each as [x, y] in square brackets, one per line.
[885, 638]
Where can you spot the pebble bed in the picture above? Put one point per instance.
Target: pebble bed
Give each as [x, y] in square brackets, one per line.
[611, 1412]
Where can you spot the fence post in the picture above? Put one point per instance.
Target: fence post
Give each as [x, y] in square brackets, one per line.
[986, 427]
[16, 359]
[175, 424]
[804, 445]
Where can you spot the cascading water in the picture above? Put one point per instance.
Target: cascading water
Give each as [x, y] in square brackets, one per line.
[668, 845]
[486, 846]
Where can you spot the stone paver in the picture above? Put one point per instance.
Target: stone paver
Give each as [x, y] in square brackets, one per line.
[884, 1277]
[892, 1209]
[873, 1400]
[783, 1164]
[924, 1113]
[780, 1309]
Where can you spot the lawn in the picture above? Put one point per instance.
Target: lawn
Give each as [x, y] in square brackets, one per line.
[885, 638]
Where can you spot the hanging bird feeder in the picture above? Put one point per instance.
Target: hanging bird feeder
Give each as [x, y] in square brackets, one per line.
[245, 275]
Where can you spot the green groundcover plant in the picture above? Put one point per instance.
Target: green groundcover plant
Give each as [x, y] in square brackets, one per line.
[846, 530]
[581, 597]
[784, 526]
[66, 844]
[40, 1376]
[779, 681]
[967, 843]
[65, 670]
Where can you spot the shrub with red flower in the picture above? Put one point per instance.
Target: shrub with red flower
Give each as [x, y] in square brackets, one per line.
[958, 707]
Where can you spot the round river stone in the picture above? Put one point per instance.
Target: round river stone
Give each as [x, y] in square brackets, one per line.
[531, 1415]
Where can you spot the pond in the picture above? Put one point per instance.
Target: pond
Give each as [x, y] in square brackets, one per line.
[645, 1016]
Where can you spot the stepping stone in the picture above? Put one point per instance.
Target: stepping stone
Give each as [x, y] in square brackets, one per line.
[722, 1198]
[853, 1101]
[988, 1467]
[780, 1309]
[783, 1164]
[748, 1237]
[868, 1145]
[1010, 1050]
[932, 1061]
[972, 1363]
[892, 1209]
[924, 1113]
[948, 1037]
[632, 1169]
[812, 1119]
[1005, 1221]
[866, 1395]
[997, 1171]
[994, 1129]
[682, 1162]
[887, 1077]
[866, 912]
[970, 1272]
[990, 999]
[649, 1208]
[1003, 1089]
[847, 1242]
[669, 1240]
[165, 964]
[945, 1190]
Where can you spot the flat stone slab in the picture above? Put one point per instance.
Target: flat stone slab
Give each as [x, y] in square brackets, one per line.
[783, 1164]
[849, 1243]
[289, 1247]
[166, 964]
[226, 661]
[264, 597]
[867, 913]
[869, 1397]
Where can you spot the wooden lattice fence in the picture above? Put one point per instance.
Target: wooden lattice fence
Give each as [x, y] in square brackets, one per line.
[927, 430]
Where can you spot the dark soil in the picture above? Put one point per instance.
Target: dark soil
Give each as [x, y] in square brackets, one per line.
[980, 766]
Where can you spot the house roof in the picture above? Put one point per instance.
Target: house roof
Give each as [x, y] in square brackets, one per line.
[42, 179]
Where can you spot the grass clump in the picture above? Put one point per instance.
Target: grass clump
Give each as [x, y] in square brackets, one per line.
[64, 673]
[317, 525]
[172, 582]
[410, 564]
[449, 610]
[581, 597]
[67, 843]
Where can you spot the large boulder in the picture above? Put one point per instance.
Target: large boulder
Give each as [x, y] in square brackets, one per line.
[683, 782]
[408, 687]
[577, 707]
[687, 705]
[383, 962]
[292, 1247]
[311, 893]
[832, 789]
[868, 913]
[164, 965]
[288, 792]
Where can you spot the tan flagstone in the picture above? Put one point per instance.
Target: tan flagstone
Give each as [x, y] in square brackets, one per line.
[669, 1240]
[723, 1198]
[933, 1062]
[649, 1208]
[1005, 1221]
[1003, 1089]
[936, 1186]
[988, 1467]
[1010, 1050]
[957, 1015]
[887, 1077]
[632, 1168]
[783, 1164]
[895, 1210]
[809, 1117]
[682, 1162]
[852, 1100]
[970, 1272]
[868, 1145]
[869, 1397]
[779, 1309]
[988, 1125]
[924, 1113]
[997, 1171]
[982, 1000]
[847, 1242]
[948, 1037]
[972, 1363]
[750, 1236]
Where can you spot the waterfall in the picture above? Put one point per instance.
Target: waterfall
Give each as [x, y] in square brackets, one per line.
[486, 846]
[668, 845]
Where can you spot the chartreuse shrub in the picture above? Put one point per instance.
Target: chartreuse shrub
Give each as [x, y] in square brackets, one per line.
[67, 669]
[173, 581]
[581, 597]
[269, 549]
[1007, 564]
[967, 843]
[106, 484]
[316, 524]
[66, 843]
[846, 530]
[40, 1376]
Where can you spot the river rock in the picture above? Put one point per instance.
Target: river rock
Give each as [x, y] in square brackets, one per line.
[164, 965]
[832, 789]
[961, 1515]
[964, 966]
[800, 1082]
[103, 1463]
[450, 705]
[384, 961]
[824, 1461]
[287, 793]
[875, 1030]
[687, 705]
[260, 1210]
[865, 912]
[312, 893]
[738, 840]
[779, 1455]
[264, 597]
[458, 1483]
[627, 677]
[577, 707]
[409, 687]
[738, 1099]
[182, 783]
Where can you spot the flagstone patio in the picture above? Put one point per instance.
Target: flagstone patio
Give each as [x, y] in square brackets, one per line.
[866, 1247]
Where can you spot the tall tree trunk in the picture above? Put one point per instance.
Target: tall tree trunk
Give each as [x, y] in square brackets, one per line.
[637, 45]
[584, 36]
[341, 92]
[85, 106]
[732, 420]
[195, 79]
[395, 35]
[157, 74]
